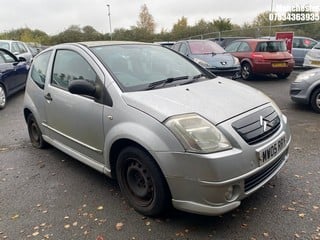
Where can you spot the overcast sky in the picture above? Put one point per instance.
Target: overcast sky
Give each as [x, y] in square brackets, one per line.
[54, 16]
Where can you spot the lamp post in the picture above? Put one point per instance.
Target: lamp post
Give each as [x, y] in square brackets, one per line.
[109, 15]
[270, 19]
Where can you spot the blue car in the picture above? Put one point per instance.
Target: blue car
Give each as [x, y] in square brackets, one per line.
[13, 75]
[211, 56]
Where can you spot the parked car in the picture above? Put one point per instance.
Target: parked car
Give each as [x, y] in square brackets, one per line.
[13, 75]
[209, 55]
[167, 44]
[18, 48]
[262, 56]
[306, 89]
[167, 129]
[225, 41]
[300, 47]
[312, 58]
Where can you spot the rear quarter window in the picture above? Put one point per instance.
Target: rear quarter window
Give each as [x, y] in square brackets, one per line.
[39, 68]
[271, 46]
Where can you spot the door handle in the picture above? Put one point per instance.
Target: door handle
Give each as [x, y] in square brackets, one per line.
[48, 97]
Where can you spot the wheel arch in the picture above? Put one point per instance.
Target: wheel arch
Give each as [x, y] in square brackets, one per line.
[314, 88]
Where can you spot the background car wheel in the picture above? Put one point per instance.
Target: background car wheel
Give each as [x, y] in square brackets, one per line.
[283, 75]
[35, 133]
[3, 97]
[141, 182]
[315, 100]
[246, 71]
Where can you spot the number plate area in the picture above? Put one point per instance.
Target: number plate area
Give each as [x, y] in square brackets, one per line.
[279, 64]
[315, 63]
[272, 150]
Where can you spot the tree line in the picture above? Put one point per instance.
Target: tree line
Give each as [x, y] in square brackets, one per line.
[144, 30]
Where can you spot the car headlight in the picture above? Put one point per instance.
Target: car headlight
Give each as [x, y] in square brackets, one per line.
[304, 76]
[202, 63]
[236, 61]
[197, 134]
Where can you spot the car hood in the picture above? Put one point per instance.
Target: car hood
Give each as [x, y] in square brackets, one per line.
[217, 100]
[216, 60]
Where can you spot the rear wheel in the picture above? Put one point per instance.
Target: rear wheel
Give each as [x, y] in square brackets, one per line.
[283, 75]
[315, 100]
[3, 97]
[246, 71]
[35, 133]
[142, 182]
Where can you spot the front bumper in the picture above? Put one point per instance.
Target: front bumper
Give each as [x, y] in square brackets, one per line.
[213, 184]
[298, 92]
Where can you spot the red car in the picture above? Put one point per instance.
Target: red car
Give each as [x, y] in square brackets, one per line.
[261, 56]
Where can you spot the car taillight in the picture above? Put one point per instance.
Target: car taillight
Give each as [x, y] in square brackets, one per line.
[257, 57]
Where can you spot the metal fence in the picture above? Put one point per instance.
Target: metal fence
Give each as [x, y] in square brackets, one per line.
[308, 29]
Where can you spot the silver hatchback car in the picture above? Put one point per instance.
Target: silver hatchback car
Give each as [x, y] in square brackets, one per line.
[168, 130]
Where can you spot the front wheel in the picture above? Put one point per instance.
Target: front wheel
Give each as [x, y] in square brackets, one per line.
[315, 100]
[142, 182]
[35, 133]
[3, 97]
[246, 71]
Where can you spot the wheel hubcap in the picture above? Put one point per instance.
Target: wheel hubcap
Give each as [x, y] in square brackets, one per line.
[2, 97]
[34, 132]
[245, 71]
[318, 100]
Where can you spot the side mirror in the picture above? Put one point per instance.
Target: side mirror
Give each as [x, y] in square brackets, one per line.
[83, 87]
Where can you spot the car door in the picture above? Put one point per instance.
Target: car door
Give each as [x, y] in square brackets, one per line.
[74, 121]
[300, 48]
[13, 73]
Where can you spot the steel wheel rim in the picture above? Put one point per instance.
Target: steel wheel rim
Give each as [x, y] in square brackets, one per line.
[139, 182]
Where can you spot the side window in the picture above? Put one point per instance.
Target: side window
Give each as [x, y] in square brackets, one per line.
[6, 58]
[15, 48]
[244, 47]
[183, 49]
[232, 47]
[296, 43]
[22, 48]
[176, 47]
[308, 43]
[69, 66]
[39, 68]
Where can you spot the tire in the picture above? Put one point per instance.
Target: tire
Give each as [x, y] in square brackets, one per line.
[142, 182]
[3, 97]
[246, 71]
[283, 75]
[35, 133]
[315, 100]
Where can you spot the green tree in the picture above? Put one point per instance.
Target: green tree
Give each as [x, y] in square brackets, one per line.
[222, 24]
[180, 29]
[146, 20]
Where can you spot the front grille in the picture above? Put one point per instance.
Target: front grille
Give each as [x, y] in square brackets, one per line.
[258, 126]
[254, 180]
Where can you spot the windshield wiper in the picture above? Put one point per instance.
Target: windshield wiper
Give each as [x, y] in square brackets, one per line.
[163, 82]
[196, 77]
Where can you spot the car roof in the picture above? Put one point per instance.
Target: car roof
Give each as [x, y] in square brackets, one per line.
[104, 43]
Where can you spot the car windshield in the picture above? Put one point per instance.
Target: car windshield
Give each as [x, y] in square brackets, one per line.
[205, 47]
[139, 66]
[271, 46]
[4, 45]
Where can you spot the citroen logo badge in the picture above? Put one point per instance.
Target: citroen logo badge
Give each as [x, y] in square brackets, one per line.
[263, 123]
